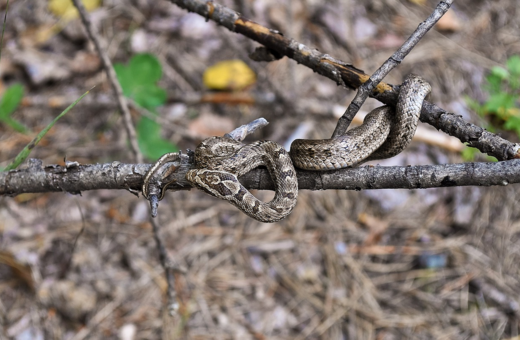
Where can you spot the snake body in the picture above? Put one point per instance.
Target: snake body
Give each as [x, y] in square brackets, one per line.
[383, 134]
[219, 161]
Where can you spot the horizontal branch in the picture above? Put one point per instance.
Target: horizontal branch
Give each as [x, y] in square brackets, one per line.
[75, 178]
[346, 75]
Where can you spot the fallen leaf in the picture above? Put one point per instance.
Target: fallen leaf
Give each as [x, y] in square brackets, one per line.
[389, 40]
[208, 124]
[85, 62]
[229, 75]
[376, 226]
[114, 214]
[35, 36]
[66, 10]
[449, 22]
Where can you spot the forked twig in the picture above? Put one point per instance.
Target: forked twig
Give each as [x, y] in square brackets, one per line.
[399, 55]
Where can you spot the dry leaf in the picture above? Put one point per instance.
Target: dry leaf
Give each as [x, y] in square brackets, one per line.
[376, 226]
[85, 62]
[229, 75]
[208, 124]
[35, 36]
[389, 40]
[449, 22]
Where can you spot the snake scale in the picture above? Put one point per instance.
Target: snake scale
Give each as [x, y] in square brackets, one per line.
[385, 132]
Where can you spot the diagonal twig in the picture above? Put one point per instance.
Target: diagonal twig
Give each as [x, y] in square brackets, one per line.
[173, 305]
[396, 59]
[345, 74]
[111, 74]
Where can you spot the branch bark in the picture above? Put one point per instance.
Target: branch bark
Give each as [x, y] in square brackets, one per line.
[74, 178]
[347, 75]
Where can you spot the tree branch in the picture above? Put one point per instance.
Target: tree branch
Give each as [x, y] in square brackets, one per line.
[74, 178]
[346, 75]
[366, 88]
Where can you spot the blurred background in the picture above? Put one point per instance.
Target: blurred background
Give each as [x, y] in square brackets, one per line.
[386, 264]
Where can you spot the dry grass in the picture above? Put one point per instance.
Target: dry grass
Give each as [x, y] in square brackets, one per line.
[394, 264]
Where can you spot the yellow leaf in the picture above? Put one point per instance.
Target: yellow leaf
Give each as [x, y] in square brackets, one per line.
[229, 75]
[418, 2]
[513, 112]
[66, 10]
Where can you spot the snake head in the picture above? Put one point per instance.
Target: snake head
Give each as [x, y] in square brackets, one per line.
[217, 183]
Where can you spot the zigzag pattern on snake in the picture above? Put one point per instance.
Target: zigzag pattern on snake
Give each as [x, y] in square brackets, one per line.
[383, 134]
[220, 161]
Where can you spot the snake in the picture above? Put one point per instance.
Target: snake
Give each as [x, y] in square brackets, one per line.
[220, 161]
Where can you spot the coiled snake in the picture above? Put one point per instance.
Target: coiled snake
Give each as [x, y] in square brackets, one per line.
[219, 161]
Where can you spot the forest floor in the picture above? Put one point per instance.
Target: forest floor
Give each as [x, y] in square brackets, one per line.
[382, 264]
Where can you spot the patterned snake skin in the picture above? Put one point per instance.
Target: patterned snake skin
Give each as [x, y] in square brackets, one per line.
[383, 134]
[219, 161]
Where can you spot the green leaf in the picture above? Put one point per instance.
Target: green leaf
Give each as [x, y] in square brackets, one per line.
[10, 100]
[154, 149]
[149, 97]
[145, 69]
[138, 80]
[8, 104]
[513, 123]
[28, 148]
[494, 84]
[150, 141]
[475, 105]
[468, 154]
[499, 103]
[500, 72]
[514, 83]
[148, 127]
[513, 65]
[15, 125]
[125, 78]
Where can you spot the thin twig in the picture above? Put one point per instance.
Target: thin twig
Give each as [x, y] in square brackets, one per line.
[112, 77]
[396, 59]
[345, 74]
[173, 305]
[3, 29]
[66, 268]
